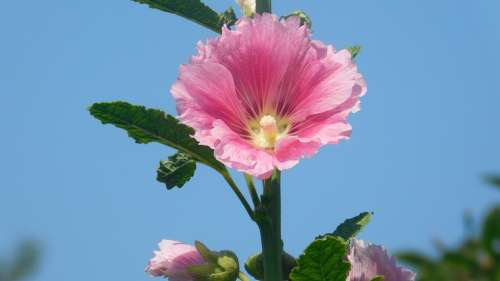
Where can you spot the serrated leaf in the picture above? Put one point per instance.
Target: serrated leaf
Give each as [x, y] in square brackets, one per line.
[153, 125]
[177, 170]
[193, 10]
[351, 227]
[354, 50]
[304, 18]
[378, 278]
[323, 260]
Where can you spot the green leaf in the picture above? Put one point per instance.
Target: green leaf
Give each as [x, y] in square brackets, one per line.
[491, 233]
[323, 260]
[152, 125]
[378, 278]
[304, 18]
[354, 50]
[351, 227]
[193, 10]
[177, 170]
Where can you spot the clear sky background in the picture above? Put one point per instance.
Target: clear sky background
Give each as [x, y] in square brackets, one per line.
[428, 129]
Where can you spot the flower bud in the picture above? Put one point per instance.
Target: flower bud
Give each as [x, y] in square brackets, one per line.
[173, 260]
[247, 7]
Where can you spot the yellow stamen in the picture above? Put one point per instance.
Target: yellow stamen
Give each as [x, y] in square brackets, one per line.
[268, 131]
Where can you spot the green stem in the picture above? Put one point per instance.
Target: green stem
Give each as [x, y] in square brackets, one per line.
[270, 229]
[238, 193]
[253, 191]
[263, 6]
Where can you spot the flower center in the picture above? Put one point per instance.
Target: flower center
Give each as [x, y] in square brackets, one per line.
[268, 130]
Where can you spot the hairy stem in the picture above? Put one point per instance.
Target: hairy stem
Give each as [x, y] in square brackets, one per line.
[270, 228]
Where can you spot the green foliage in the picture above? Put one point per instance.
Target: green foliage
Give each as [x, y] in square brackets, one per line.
[304, 18]
[477, 258]
[23, 264]
[194, 10]
[354, 50]
[491, 233]
[351, 227]
[323, 260]
[378, 278]
[152, 125]
[176, 171]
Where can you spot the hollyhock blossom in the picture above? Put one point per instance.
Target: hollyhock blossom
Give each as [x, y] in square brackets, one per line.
[173, 259]
[265, 95]
[370, 260]
[247, 7]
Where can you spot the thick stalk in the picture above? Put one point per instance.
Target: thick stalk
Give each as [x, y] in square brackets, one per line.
[270, 229]
[263, 6]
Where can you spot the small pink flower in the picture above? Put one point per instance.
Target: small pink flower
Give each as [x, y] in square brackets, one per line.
[173, 259]
[264, 95]
[370, 260]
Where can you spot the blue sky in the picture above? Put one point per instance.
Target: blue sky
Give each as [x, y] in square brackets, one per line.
[427, 131]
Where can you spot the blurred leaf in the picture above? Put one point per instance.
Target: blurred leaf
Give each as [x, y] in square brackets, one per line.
[351, 227]
[491, 233]
[323, 260]
[415, 259]
[378, 278]
[354, 50]
[193, 10]
[177, 170]
[152, 125]
[25, 261]
[493, 180]
[304, 18]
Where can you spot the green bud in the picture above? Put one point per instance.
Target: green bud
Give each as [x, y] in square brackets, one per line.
[354, 50]
[304, 18]
[255, 265]
[220, 266]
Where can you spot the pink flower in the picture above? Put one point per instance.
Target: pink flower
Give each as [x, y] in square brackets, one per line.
[265, 95]
[173, 259]
[370, 260]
